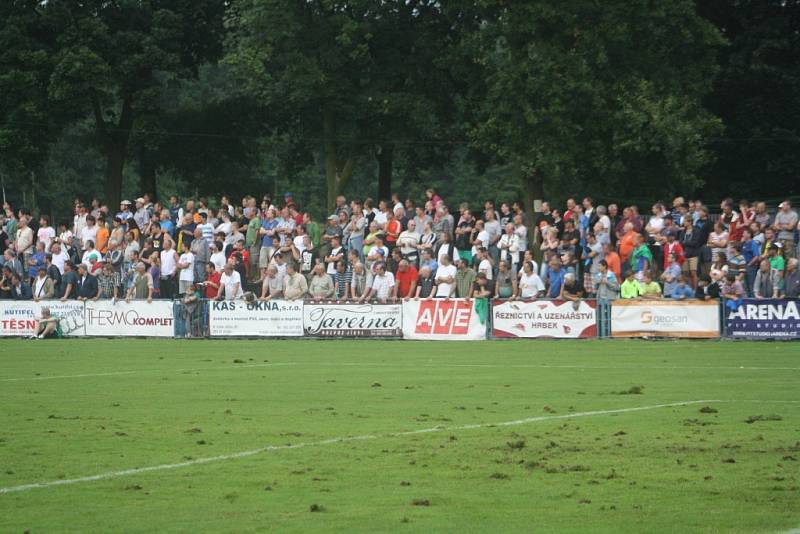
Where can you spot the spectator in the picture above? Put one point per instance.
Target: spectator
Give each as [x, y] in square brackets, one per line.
[509, 247]
[465, 278]
[733, 288]
[682, 290]
[641, 258]
[650, 289]
[88, 233]
[405, 280]
[86, 287]
[751, 251]
[785, 225]
[53, 274]
[90, 255]
[45, 234]
[572, 289]
[155, 273]
[767, 282]
[342, 278]
[627, 242]
[42, 286]
[630, 288]
[445, 278]
[718, 241]
[295, 285]
[108, 283]
[358, 283]
[530, 285]
[212, 281]
[426, 284]
[408, 243]
[671, 274]
[604, 282]
[230, 284]
[36, 261]
[169, 270]
[142, 286]
[217, 257]
[102, 235]
[506, 284]
[335, 255]
[483, 288]
[554, 278]
[186, 266]
[382, 285]
[200, 250]
[791, 280]
[321, 285]
[69, 282]
[46, 325]
[24, 241]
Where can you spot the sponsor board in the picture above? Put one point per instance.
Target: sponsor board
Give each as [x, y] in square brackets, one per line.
[665, 318]
[19, 318]
[763, 319]
[274, 318]
[544, 318]
[129, 319]
[352, 320]
[451, 319]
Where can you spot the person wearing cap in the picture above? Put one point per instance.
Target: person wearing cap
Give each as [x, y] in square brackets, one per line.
[776, 258]
[124, 212]
[786, 224]
[87, 288]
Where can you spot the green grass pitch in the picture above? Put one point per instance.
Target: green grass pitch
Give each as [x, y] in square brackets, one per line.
[512, 436]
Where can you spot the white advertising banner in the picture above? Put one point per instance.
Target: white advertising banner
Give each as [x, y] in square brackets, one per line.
[137, 318]
[273, 318]
[19, 317]
[452, 319]
[352, 320]
[544, 318]
[665, 318]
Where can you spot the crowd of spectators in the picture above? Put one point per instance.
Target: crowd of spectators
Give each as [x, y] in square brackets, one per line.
[399, 249]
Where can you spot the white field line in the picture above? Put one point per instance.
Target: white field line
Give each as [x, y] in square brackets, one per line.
[331, 441]
[400, 365]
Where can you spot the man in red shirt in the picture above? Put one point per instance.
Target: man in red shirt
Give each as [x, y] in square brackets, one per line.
[393, 229]
[405, 280]
[211, 285]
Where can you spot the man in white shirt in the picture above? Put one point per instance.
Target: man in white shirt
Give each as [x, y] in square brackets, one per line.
[89, 232]
[530, 285]
[169, 265]
[46, 233]
[382, 284]
[445, 277]
[186, 265]
[230, 284]
[60, 256]
[217, 257]
[484, 264]
[335, 255]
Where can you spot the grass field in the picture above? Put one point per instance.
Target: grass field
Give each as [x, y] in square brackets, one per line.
[501, 436]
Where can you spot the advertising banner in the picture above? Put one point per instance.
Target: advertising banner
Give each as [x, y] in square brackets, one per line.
[352, 320]
[763, 319]
[274, 318]
[453, 319]
[18, 317]
[544, 318]
[665, 318]
[137, 318]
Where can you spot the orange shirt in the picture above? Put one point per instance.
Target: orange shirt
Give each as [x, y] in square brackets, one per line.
[612, 259]
[626, 245]
[102, 239]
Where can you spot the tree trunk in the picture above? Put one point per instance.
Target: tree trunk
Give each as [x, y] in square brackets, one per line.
[116, 147]
[385, 156]
[147, 174]
[337, 173]
[533, 190]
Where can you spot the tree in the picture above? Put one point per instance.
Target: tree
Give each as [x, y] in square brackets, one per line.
[357, 78]
[757, 96]
[601, 97]
[113, 59]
